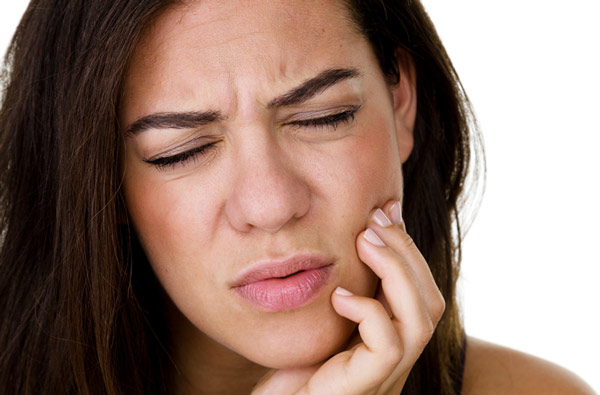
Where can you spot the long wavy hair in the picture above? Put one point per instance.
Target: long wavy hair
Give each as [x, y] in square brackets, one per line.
[78, 301]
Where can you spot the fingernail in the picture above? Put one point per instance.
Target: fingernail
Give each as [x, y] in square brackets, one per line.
[381, 219]
[372, 238]
[396, 213]
[343, 291]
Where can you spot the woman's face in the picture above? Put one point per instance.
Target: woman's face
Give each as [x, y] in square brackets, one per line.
[259, 136]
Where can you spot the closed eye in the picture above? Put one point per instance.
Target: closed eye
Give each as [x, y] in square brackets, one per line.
[329, 121]
[165, 162]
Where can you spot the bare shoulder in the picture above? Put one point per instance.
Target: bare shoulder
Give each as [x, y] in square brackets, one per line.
[493, 369]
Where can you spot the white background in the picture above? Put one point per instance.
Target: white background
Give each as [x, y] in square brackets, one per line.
[531, 259]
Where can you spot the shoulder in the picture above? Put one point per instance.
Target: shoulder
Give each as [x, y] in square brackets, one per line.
[493, 369]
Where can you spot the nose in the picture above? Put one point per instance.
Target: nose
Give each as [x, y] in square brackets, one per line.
[267, 192]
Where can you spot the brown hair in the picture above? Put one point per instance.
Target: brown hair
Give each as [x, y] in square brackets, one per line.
[77, 299]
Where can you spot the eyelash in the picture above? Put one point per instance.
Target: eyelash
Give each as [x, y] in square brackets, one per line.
[172, 161]
[330, 121]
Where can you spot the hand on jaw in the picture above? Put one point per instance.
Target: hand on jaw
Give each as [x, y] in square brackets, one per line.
[393, 328]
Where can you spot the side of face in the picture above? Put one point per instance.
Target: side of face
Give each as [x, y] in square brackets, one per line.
[261, 180]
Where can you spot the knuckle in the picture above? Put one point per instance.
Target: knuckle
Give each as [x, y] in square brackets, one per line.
[394, 353]
[425, 334]
[438, 308]
[377, 307]
[407, 240]
[424, 337]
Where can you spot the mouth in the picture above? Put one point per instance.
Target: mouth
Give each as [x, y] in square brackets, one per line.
[289, 284]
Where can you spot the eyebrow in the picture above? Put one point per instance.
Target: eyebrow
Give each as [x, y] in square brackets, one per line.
[313, 86]
[194, 119]
[173, 120]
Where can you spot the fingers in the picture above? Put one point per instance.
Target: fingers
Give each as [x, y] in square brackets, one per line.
[363, 368]
[407, 284]
[394, 327]
[374, 325]
[398, 257]
[418, 265]
[391, 345]
[410, 312]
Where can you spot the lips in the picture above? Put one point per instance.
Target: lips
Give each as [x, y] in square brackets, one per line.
[286, 284]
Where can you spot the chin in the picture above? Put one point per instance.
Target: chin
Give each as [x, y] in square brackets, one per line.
[297, 344]
[300, 338]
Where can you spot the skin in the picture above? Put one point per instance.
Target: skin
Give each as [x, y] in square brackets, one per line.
[493, 369]
[270, 187]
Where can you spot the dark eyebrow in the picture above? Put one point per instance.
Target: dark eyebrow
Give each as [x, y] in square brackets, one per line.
[173, 120]
[313, 86]
[194, 119]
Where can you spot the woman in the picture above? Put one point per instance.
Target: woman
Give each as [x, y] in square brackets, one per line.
[208, 197]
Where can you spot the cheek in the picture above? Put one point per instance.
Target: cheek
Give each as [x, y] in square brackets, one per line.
[172, 221]
[168, 218]
[378, 165]
[367, 168]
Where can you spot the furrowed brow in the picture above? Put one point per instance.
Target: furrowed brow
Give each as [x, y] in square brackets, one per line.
[173, 120]
[190, 120]
[313, 86]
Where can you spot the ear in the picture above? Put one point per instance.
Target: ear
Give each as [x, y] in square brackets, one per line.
[404, 96]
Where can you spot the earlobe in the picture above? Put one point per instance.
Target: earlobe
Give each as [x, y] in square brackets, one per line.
[404, 96]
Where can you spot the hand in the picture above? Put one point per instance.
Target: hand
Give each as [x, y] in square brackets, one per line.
[394, 327]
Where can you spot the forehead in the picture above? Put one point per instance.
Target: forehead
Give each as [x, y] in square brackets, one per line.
[219, 26]
[222, 42]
